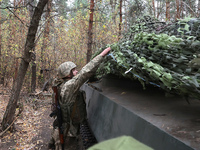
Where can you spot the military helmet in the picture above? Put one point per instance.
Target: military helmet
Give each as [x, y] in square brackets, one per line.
[65, 68]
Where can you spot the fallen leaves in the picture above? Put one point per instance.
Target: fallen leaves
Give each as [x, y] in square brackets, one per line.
[27, 127]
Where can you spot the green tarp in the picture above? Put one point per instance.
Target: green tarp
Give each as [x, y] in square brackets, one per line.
[120, 143]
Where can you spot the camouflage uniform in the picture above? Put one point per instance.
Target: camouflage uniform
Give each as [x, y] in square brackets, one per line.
[69, 90]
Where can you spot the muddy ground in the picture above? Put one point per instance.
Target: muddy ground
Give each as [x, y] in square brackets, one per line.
[32, 129]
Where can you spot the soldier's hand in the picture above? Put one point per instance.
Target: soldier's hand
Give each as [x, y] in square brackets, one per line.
[105, 51]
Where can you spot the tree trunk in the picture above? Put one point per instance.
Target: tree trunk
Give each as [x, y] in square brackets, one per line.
[44, 44]
[190, 5]
[125, 19]
[0, 36]
[182, 9]
[198, 8]
[16, 69]
[120, 18]
[158, 9]
[177, 10]
[33, 67]
[154, 10]
[33, 78]
[113, 5]
[0, 53]
[31, 10]
[90, 41]
[26, 58]
[3, 75]
[168, 10]
[13, 33]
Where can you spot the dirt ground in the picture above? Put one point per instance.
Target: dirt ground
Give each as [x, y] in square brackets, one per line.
[32, 129]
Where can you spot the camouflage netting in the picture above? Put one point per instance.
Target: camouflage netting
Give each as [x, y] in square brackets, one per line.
[165, 55]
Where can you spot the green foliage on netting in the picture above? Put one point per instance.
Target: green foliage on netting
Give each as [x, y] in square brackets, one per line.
[167, 61]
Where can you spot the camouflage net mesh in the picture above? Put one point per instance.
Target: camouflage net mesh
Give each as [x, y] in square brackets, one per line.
[157, 53]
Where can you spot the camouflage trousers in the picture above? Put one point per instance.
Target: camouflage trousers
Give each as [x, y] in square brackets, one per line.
[71, 137]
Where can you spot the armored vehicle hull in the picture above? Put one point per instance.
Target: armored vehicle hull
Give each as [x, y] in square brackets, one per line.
[118, 107]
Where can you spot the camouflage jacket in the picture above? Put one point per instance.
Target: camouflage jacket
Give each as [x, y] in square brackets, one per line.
[69, 90]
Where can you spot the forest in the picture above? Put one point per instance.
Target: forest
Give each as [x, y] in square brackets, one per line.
[36, 36]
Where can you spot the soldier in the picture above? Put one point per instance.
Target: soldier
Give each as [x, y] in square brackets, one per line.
[68, 82]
